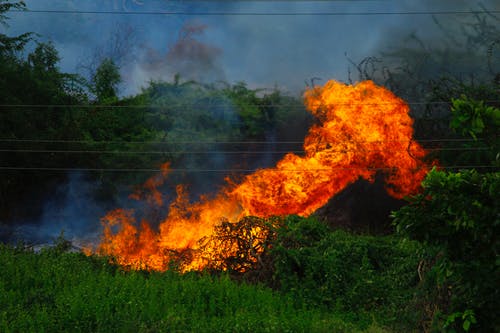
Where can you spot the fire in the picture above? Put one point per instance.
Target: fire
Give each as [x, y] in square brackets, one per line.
[362, 129]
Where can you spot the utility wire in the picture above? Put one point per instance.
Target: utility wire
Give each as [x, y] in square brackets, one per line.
[15, 168]
[242, 152]
[214, 142]
[224, 13]
[305, 1]
[98, 106]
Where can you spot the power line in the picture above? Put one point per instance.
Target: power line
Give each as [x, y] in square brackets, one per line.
[228, 104]
[140, 152]
[214, 141]
[223, 13]
[241, 152]
[303, 1]
[98, 106]
[185, 170]
[33, 107]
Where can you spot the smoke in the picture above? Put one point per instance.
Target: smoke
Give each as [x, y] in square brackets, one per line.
[262, 50]
[188, 57]
[71, 209]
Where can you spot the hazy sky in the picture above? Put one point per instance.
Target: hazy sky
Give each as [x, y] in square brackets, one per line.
[262, 50]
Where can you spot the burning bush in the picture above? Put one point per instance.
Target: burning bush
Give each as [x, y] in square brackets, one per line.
[240, 247]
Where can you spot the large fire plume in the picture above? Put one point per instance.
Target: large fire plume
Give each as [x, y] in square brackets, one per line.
[362, 130]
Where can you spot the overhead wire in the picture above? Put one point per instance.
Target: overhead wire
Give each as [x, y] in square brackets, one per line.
[230, 170]
[214, 141]
[254, 13]
[228, 105]
[117, 152]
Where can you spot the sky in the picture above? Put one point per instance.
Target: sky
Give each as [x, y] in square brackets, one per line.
[261, 50]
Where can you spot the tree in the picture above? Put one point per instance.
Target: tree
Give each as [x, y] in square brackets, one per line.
[9, 45]
[44, 58]
[106, 81]
[38, 90]
[458, 213]
[475, 127]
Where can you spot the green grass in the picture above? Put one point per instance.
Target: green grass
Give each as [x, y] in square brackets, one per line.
[69, 292]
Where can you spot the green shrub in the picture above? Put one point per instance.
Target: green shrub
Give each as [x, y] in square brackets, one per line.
[337, 269]
[459, 213]
[474, 120]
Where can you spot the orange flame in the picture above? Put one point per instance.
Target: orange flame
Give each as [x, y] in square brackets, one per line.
[363, 129]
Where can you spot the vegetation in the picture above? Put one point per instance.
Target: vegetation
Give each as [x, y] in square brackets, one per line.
[458, 213]
[54, 291]
[323, 268]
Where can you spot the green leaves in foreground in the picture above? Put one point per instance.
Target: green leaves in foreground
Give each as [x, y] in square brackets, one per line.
[337, 269]
[459, 213]
[69, 292]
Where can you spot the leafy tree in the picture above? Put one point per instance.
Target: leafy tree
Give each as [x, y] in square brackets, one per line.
[34, 95]
[239, 249]
[476, 119]
[475, 127]
[9, 45]
[38, 91]
[44, 58]
[188, 111]
[458, 213]
[106, 80]
[253, 118]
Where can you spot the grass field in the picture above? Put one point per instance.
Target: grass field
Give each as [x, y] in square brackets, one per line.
[53, 291]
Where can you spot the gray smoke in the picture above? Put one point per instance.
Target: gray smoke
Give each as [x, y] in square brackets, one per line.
[281, 50]
[71, 210]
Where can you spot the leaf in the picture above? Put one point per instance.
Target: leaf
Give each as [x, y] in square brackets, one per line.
[477, 125]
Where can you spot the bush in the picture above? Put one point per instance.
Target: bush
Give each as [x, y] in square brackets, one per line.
[459, 213]
[476, 125]
[337, 269]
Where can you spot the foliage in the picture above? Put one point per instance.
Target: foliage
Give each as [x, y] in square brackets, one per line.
[44, 59]
[70, 292]
[220, 112]
[333, 270]
[342, 270]
[34, 99]
[475, 119]
[187, 110]
[458, 212]
[10, 45]
[256, 117]
[106, 80]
